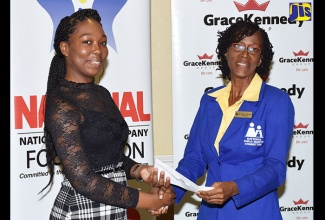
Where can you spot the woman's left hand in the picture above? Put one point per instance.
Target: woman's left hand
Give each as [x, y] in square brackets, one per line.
[221, 192]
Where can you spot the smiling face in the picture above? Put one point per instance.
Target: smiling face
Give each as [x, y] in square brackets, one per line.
[85, 52]
[243, 64]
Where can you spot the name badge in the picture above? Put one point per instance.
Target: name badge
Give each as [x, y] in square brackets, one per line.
[241, 114]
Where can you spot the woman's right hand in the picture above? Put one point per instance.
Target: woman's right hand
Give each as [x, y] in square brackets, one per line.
[166, 195]
[160, 195]
[221, 192]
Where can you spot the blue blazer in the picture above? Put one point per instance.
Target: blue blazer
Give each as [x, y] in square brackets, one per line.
[253, 153]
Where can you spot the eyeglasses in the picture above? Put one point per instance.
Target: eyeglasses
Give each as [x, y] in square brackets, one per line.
[241, 48]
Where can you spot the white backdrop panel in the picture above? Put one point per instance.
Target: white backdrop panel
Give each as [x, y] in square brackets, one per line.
[192, 37]
[127, 76]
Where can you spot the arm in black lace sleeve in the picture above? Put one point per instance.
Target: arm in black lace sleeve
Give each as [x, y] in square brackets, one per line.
[64, 121]
[128, 164]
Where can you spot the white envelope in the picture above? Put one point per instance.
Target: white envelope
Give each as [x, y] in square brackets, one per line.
[178, 179]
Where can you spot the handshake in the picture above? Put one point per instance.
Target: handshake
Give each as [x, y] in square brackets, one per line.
[161, 195]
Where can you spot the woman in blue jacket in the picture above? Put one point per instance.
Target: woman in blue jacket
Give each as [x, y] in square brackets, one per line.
[241, 133]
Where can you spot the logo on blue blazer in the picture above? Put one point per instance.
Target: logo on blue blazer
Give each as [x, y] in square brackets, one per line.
[254, 135]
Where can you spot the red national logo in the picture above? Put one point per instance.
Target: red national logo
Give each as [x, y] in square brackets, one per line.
[252, 5]
[205, 57]
[300, 202]
[300, 53]
[300, 125]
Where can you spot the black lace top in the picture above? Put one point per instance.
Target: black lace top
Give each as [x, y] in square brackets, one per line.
[89, 132]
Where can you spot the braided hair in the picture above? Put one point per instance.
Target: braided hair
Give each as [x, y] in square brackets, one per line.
[235, 33]
[57, 72]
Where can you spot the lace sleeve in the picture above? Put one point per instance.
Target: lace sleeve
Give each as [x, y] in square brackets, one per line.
[64, 121]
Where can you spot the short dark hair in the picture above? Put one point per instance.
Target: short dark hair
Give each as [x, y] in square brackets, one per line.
[235, 33]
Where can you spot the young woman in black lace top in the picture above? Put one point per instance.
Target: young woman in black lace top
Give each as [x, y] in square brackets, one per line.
[86, 132]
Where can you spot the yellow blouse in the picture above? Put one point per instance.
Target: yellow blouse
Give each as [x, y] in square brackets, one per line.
[222, 95]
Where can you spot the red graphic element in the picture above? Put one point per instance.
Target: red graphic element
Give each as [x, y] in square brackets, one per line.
[32, 113]
[300, 125]
[31, 110]
[300, 202]
[133, 214]
[252, 5]
[131, 106]
[205, 57]
[301, 53]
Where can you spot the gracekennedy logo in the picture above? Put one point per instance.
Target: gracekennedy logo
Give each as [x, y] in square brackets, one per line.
[204, 61]
[301, 53]
[300, 59]
[300, 207]
[301, 129]
[302, 134]
[268, 19]
[252, 5]
[108, 9]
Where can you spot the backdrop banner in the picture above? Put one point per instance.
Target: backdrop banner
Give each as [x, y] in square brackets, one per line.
[127, 77]
[195, 24]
